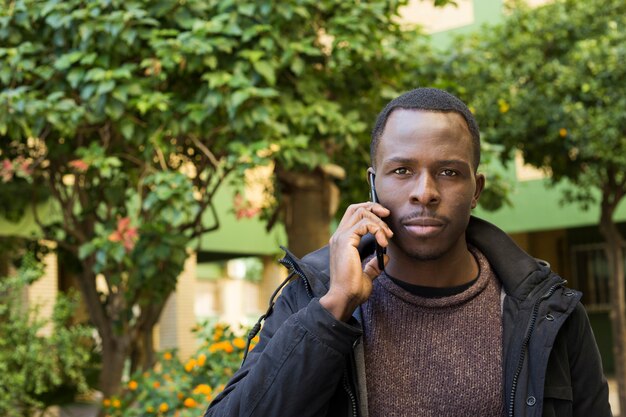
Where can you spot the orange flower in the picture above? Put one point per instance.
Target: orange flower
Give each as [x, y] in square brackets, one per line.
[190, 403]
[116, 403]
[132, 385]
[167, 356]
[163, 407]
[226, 346]
[256, 339]
[179, 395]
[203, 389]
[149, 409]
[156, 384]
[190, 365]
[562, 132]
[218, 334]
[201, 359]
[106, 402]
[239, 343]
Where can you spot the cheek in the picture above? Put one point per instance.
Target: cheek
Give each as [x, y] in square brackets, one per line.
[463, 202]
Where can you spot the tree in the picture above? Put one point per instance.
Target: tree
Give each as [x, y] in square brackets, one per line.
[113, 109]
[334, 64]
[550, 82]
[127, 116]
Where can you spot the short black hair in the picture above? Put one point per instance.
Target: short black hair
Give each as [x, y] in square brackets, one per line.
[427, 99]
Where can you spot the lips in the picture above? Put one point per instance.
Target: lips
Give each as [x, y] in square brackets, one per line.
[423, 227]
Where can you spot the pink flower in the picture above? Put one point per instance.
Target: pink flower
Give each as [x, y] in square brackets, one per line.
[125, 233]
[6, 170]
[79, 165]
[243, 208]
[247, 213]
[26, 168]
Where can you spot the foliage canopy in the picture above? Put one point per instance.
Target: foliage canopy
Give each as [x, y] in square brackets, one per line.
[129, 115]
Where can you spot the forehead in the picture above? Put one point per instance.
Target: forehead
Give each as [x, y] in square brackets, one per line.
[444, 133]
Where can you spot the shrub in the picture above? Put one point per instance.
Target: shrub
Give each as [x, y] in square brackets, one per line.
[38, 371]
[182, 388]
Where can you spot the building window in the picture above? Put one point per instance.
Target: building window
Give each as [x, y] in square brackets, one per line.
[590, 274]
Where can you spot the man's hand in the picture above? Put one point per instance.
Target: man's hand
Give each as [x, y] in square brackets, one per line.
[350, 283]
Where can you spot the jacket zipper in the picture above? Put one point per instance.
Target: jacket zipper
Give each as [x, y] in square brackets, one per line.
[348, 389]
[298, 272]
[531, 328]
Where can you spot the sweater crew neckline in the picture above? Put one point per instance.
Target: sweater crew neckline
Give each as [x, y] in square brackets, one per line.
[445, 297]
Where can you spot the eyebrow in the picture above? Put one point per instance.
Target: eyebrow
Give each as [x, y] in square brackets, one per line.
[401, 160]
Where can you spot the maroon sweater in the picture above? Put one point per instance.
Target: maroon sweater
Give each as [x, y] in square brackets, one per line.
[434, 356]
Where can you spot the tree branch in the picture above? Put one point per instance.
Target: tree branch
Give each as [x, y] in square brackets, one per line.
[69, 219]
[206, 151]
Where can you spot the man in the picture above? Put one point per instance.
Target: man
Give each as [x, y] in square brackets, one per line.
[460, 321]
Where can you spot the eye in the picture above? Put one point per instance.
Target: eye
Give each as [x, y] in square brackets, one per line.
[448, 173]
[401, 171]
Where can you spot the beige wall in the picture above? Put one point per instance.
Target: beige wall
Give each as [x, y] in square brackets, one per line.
[178, 316]
[42, 293]
[436, 19]
[236, 302]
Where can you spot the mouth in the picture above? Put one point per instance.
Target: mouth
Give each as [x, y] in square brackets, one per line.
[423, 227]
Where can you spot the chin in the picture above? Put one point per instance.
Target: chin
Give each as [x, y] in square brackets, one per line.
[426, 251]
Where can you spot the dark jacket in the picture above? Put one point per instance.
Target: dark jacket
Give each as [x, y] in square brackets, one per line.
[308, 364]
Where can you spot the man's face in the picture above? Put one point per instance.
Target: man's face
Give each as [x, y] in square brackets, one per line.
[425, 175]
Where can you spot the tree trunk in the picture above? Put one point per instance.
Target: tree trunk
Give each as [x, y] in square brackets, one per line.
[615, 257]
[142, 355]
[115, 350]
[311, 200]
[115, 344]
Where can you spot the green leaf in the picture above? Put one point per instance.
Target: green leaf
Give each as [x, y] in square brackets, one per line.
[266, 70]
[127, 128]
[66, 60]
[238, 98]
[105, 87]
[297, 66]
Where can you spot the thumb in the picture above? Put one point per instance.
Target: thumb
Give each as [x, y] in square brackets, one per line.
[371, 267]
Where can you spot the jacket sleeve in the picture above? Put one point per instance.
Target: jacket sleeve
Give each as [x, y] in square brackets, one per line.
[295, 368]
[590, 390]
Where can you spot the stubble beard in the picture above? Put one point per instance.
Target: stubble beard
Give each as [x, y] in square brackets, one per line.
[426, 253]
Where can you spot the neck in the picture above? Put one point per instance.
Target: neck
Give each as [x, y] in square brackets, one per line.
[455, 267]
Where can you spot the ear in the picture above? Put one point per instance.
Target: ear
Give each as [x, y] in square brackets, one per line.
[372, 172]
[480, 185]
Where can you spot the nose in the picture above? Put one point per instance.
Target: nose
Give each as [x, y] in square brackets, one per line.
[425, 190]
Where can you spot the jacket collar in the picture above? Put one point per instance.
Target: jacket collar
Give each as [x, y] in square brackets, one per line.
[519, 273]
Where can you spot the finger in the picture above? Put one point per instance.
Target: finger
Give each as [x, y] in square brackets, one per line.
[378, 229]
[362, 215]
[382, 238]
[358, 210]
[371, 269]
[380, 210]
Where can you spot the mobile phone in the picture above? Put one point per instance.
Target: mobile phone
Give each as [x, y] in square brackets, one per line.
[380, 251]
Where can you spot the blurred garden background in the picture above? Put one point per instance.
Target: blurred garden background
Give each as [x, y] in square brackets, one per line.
[155, 154]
